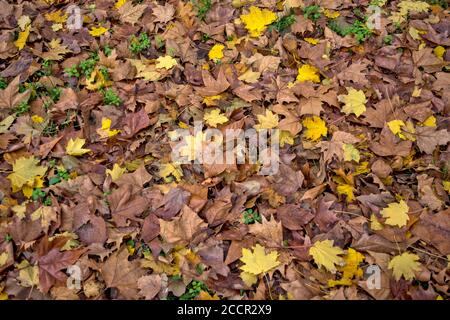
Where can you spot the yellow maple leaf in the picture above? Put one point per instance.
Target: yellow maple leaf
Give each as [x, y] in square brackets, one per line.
[97, 81]
[350, 152]
[211, 100]
[326, 255]
[25, 170]
[286, 137]
[308, 72]
[166, 62]
[374, 223]
[316, 128]
[216, 52]
[168, 169]
[37, 119]
[56, 16]
[257, 20]
[347, 190]
[22, 38]
[439, 51]
[75, 147]
[430, 122]
[396, 214]
[116, 172]
[214, 117]
[97, 31]
[312, 41]
[395, 127]
[258, 262]
[350, 270]
[354, 102]
[404, 265]
[267, 121]
[119, 3]
[105, 130]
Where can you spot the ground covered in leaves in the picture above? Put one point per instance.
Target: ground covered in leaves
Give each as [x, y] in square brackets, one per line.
[94, 207]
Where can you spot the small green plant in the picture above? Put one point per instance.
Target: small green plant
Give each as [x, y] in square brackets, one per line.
[206, 37]
[111, 98]
[250, 216]
[39, 194]
[139, 44]
[203, 7]
[3, 83]
[312, 12]
[193, 290]
[285, 22]
[60, 175]
[107, 50]
[88, 65]
[159, 41]
[50, 129]
[8, 237]
[46, 68]
[387, 40]
[358, 29]
[105, 73]
[21, 108]
[72, 71]
[54, 93]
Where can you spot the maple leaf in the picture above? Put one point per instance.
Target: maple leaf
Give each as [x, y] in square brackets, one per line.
[97, 31]
[316, 128]
[10, 97]
[214, 117]
[350, 270]
[258, 262]
[395, 127]
[350, 152]
[308, 72]
[166, 62]
[97, 80]
[216, 52]
[404, 265]
[326, 254]
[396, 214]
[267, 121]
[116, 172]
[75, 147]
[25, 170]
[256, 20]
[168, 169]
[131, 14]
[105, 130]
[347, 190]
[354, 102]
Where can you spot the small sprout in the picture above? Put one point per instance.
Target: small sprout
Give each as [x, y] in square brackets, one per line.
[388, 39]
[139, 44]
[203, 7]
[312, 13]
[282, 24]
[8, 238]
[22, 108]
[3, 83]
[251, 216]
[111, 98]
[72, 71]
[107, 50]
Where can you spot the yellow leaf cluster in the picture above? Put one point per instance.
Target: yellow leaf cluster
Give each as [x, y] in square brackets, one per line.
[216, 52]
[26, 174]
[168, 169]
[257, 20]
[214, 117]
[97, 81]
[308, 72]
[116, 172]
[315, 128]
[97, 31]
[166, 62]
[347, 190]
[350, 270]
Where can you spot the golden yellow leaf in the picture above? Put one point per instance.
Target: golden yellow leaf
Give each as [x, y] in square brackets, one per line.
[347, 190]
[396, 214]
[168, 169]
[97, 81]
[286, 137]
[325, 254]
[248, 278]
[316, 128]
[56, 16]
[354, 102]
[105, 130]
[430, 122]
[22, 38]
[350, 153]
[374, 223]
[75, 147]
[116, 172]
[312, 41]
[331, 14]
[258, 262]
[97, 31]
[257, 20]
[439, 51]
[37, 119]
[166, 62]
[308, 72]
[216, 52]
[350, 270]
[404, 265]
[395, 126]
[446, 185]
[267, 121]
[25, 170]
[119, 3]
[250, 76]
[214, 117]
